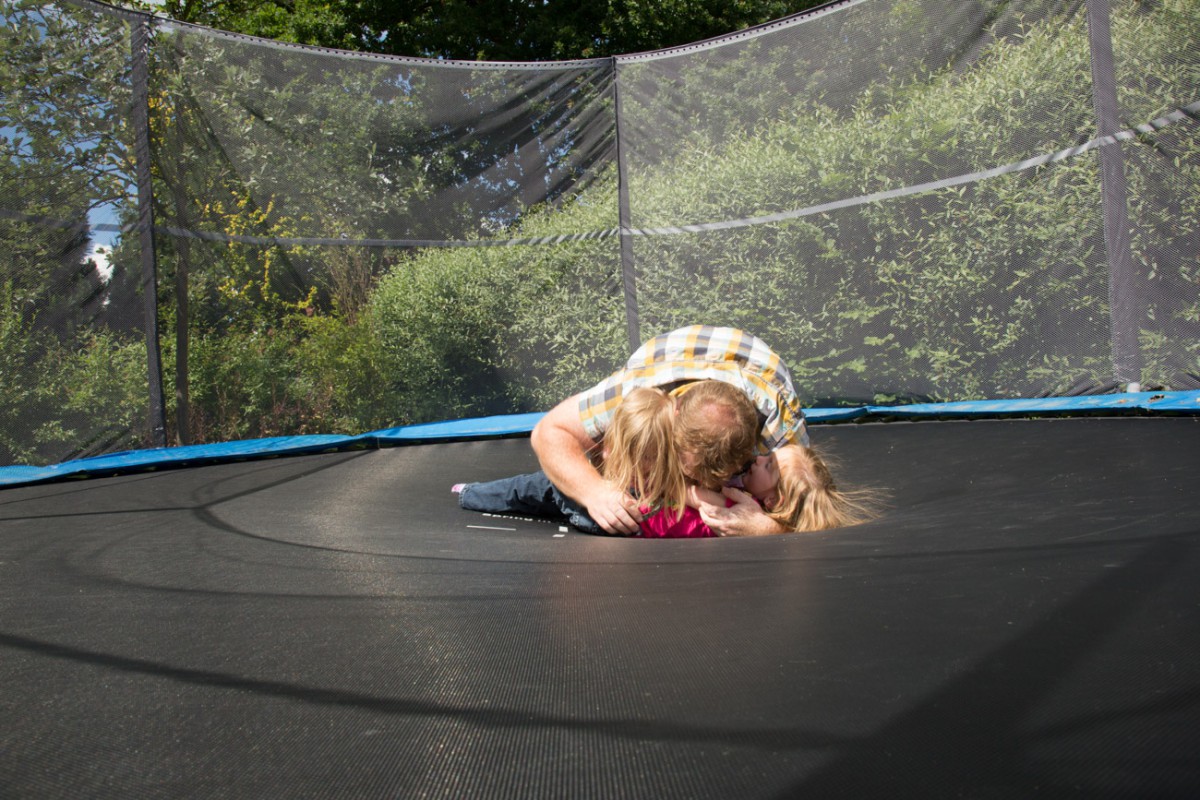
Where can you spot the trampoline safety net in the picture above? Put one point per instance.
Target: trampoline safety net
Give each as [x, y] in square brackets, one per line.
[209, 237]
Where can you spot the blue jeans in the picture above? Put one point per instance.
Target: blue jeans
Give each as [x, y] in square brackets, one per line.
[533, 495]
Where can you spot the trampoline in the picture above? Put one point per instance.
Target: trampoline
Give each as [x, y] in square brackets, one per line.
[1020, 621]
[968, 228]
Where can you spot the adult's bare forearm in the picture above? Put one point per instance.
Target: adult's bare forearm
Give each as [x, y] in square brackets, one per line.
[564, 460]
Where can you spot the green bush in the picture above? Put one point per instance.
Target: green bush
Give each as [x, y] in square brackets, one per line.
[485, 330]
[61, 400]
[992, 288]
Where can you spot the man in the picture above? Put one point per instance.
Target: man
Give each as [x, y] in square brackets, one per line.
[715, 434]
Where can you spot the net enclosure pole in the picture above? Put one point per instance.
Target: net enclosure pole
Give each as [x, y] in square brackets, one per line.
[624, 223]
[140, 47]
[1122, 282]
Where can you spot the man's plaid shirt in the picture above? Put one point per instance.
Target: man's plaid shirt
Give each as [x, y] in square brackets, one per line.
[704, 352]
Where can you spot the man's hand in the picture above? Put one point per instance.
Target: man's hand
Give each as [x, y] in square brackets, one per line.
[744, 518]
[613, 510]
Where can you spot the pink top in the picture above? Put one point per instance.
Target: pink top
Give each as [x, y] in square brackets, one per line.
[688, 525]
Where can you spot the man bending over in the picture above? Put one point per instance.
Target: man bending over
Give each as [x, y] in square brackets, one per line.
[735, 400]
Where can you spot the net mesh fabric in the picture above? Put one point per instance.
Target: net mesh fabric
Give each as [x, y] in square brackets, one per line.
[905, 198]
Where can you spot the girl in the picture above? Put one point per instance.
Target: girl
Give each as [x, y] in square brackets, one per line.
[795, 488]
[638, 451]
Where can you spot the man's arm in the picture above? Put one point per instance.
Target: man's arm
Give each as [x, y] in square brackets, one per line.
[561, 445]
[744, 518]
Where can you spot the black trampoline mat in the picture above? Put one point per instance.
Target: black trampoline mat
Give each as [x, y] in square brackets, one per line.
[1021, 621]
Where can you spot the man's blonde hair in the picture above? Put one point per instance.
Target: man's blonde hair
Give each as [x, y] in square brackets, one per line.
[718, 425]
[639, 450]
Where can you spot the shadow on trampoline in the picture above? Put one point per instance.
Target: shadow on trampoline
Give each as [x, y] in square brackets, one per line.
[982, 732]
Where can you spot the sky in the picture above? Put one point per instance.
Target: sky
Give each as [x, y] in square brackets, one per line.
[99, 254]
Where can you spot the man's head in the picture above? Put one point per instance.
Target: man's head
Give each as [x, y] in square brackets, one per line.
[715, 432]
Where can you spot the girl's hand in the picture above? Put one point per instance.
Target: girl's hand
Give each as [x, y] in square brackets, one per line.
[698, 495]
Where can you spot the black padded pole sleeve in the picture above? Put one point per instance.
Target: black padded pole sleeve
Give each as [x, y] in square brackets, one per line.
[140, 44]
[628, 268]
[1122, 284]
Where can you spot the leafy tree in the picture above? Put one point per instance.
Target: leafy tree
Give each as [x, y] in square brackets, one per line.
[66, 144]
[65, 153]
[487, 30]
[312, 22]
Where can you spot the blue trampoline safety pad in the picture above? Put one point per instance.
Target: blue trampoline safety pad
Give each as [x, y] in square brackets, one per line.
[137, 460]
[1173, 403]
[1138, 402]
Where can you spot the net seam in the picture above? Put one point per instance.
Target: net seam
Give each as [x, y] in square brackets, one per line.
[1188, 112]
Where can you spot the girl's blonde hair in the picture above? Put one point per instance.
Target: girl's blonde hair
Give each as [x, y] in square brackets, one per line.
[808, 498]
[639, 452]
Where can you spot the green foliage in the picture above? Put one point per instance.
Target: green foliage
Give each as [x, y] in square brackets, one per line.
[496, 329]
[64, 146]
[340, 374]
[993, 288]
[72, 381]
[387, 152]
[22, 401]
[60, 400]
[996, 287]
[486, 30]
[242, 385]
[313, 22]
